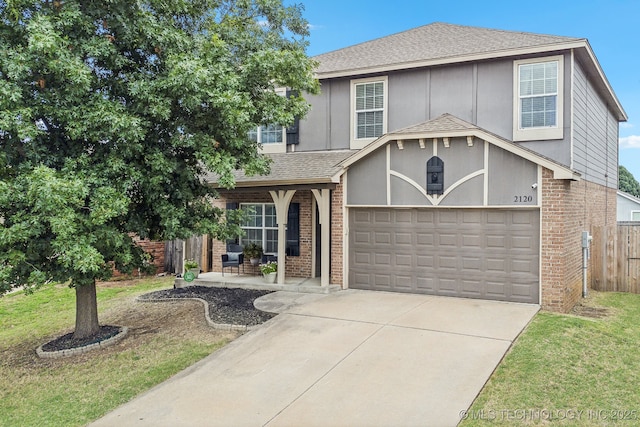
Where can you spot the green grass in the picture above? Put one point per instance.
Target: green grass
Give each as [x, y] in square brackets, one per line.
[573, 370]
[74, 391]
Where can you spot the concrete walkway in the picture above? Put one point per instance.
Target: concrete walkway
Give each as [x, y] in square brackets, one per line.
[353, 358]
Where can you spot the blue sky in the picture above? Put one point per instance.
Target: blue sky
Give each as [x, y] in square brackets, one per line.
[611, 26]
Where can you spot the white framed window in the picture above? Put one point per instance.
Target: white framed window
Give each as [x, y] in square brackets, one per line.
[538, 100]
[270, 134]
[272, 138]
[635, 215]
[369, 100]
[260, 226]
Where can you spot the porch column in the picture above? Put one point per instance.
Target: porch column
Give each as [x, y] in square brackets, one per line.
[282, 199]
[323, 199]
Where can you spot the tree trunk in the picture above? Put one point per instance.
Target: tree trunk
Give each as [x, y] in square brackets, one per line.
[86, 311]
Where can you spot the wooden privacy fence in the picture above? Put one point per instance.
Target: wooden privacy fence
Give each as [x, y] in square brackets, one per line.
[615, 258]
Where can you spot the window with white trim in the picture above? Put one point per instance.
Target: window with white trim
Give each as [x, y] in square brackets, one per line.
[369, 109]
[270, 134]
[635, 215]
[538, 99]
[260, 226]
[538, 94]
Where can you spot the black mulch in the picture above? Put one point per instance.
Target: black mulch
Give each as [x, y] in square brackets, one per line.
[226, 305]
[67, 342]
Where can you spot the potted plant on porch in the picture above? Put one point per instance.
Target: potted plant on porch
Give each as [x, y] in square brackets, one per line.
[269, 271]
[191, 266]
[253, 251]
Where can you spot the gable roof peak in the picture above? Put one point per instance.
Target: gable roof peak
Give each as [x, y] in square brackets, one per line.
[436, 42]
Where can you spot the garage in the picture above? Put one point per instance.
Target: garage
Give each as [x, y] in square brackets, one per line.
[459, 252]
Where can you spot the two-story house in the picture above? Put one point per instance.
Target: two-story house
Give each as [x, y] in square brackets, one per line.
[445, 160]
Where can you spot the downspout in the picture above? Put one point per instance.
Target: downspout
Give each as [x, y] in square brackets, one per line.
[586, 242]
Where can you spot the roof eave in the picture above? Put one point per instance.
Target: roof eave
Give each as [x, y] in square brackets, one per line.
[334, 179]
[454, 59]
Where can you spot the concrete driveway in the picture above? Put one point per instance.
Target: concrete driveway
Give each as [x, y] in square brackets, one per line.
[353, 358]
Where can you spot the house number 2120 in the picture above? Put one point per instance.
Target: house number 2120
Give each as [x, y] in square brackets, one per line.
[522, 199]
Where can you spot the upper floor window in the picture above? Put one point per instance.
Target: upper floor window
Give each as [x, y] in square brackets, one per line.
[538, 99]
[369, 109]
[272, 137]
[538, 94]
[270, 134]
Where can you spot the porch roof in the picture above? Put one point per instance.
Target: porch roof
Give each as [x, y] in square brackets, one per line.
[297, 168]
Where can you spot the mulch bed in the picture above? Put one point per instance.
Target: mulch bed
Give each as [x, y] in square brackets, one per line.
[226, 305]
[67, 342]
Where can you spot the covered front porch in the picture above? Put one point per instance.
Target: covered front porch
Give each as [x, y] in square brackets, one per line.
[250, 281]
[294, 215]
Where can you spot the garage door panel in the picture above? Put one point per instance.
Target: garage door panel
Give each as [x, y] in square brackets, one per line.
[404, 282]
[361, 237]
[477, 253]
[403, 239]
[425, 284]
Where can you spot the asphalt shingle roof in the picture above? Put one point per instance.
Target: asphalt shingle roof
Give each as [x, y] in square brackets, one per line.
[445, 122]
[430, 42]
[294, 168]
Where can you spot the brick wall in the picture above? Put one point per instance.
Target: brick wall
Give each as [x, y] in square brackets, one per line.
[568, 208]
[295, 266]
[153, 247]
[337, 235]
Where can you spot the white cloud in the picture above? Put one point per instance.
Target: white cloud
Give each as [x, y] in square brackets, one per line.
[632, 141]
[626, 125]
[315, 27]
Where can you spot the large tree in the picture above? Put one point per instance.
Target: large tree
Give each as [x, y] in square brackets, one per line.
[110, 113]
[627, 182]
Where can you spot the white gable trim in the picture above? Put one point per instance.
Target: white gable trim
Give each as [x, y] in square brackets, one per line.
[559, 171]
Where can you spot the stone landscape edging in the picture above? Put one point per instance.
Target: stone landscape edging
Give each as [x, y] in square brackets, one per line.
[84, 349]
[215, 325]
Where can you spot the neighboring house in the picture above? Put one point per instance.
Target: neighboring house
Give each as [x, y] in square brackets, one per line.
[628, 207]
[444, 160]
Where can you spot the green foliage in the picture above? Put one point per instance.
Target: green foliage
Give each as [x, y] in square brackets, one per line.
[627, 182]
[252, 250]
[190, 263]
[270, 267]
[112, 112]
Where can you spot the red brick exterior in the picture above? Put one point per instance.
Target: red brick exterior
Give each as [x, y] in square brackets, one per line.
[155, 249]
[295, 266]
[568, 208]
[337, 235]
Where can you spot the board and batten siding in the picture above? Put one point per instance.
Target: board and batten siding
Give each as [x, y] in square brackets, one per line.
[480, 93]
[326, 126]
[595, 133]
[397, 177]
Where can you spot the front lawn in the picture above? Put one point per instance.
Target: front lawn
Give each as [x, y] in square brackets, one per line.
[569, 369]
[163, 339]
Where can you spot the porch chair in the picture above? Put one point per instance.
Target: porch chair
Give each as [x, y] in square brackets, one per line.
[233, 258]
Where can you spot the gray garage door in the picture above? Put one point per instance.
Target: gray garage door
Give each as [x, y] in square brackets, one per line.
[474, 253]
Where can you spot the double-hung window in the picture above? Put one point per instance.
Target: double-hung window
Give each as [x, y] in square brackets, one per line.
[538, 99]
[369, 109]
[260, 226]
